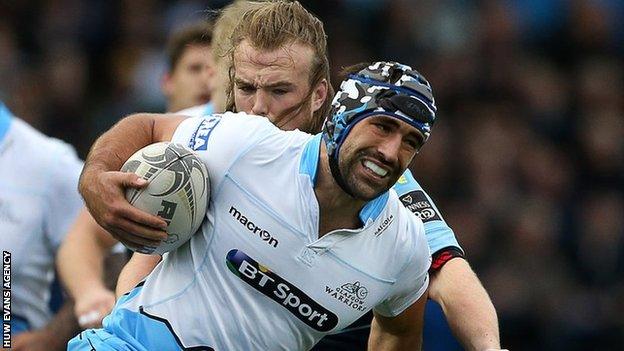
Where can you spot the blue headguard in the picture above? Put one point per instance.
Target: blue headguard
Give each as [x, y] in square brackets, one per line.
[386, 88]
[383, 88]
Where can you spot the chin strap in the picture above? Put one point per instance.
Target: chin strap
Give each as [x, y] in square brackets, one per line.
[335, 171]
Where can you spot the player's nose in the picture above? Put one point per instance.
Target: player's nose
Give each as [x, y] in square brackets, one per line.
[260, 106]
[390, 147]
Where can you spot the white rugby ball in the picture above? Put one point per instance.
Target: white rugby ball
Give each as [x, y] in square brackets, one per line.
[178, 190]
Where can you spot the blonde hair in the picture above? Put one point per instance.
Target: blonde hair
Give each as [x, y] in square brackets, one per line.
[221, 47]
[224, 26]
[271, 25]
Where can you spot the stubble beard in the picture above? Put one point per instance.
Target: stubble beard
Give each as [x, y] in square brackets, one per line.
[360, 189]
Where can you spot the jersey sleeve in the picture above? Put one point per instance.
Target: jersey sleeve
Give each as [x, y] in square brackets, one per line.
[64, 201]
[412, 282]
[220, 139]
[439, 235]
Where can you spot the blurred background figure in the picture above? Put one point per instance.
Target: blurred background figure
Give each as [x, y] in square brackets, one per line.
[188, 81]
[38, 202]
[528, 159]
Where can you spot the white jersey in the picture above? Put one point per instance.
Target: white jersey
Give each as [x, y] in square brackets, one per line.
[413, 196]
[256, 276]
[38, 202]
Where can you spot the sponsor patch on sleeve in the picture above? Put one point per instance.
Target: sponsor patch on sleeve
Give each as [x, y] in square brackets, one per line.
[417, 202]
[199, 139]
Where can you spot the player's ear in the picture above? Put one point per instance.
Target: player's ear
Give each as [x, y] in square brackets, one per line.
[319, 94]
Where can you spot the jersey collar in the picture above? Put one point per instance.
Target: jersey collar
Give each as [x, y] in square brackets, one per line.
[5, 120]
[208, 109]
[309, 166]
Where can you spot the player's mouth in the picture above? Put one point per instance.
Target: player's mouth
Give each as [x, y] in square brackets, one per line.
[375, 169]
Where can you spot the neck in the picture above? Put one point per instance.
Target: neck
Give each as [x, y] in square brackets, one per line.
[338, 210]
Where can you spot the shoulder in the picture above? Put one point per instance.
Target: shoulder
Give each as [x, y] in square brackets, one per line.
[52, 165]
[36, 148]
[232, 129]
[410, 232]
[406, 183]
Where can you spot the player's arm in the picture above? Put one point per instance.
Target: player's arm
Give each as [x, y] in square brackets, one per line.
[102, 186]
[466, 305]
[54, 336]
[403, 332]
[80, 263]
[398, 319]
[139, 267]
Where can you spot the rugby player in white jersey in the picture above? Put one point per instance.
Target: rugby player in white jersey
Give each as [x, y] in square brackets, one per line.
[187, 82]
[454, 285]
[336, 241]
[38, 202]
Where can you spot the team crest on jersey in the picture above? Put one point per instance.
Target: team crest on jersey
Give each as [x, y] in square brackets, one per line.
[351, 294]
[419, 204]
[281, 291]
[199, 139]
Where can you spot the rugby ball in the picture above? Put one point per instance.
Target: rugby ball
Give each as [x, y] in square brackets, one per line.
[178, 191]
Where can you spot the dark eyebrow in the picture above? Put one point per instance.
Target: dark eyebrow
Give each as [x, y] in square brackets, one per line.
[389, 120]
[240, 81]
[281, 84]
[395, 123]
[419, 136]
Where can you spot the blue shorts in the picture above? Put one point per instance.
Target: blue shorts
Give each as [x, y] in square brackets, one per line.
[19, 325]
[100, 340]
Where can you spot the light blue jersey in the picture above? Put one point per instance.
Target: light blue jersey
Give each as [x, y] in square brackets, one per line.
[256, 276]
[38, 202]
[413, 196]
[439, 236]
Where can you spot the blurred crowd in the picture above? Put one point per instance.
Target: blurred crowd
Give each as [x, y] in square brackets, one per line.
[526, 162]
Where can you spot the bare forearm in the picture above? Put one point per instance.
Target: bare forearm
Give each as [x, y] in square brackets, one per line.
[62, 327]
[466, 305]
[400, 333]
[115, 146]
[381, 341]
[81, 256]
[139, 267]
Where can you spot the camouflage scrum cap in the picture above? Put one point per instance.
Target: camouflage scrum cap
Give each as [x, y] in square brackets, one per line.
[386, 88]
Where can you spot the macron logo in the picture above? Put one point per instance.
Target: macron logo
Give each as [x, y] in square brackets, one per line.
[253, 228]
[384, 225]
[199, 140]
